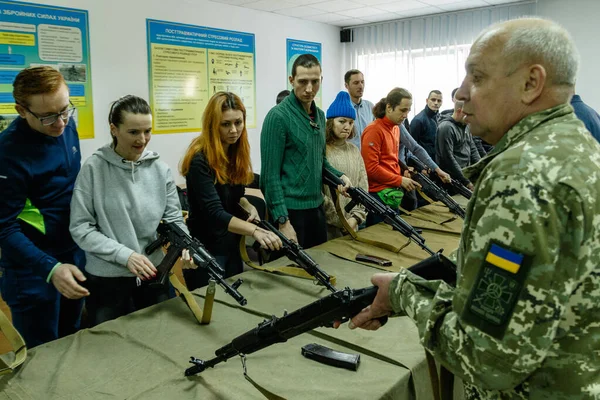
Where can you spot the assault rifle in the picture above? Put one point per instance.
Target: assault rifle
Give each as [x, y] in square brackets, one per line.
[390, 217]
[458, 187]
[436, 267]
[179, 240]
[339, 306]
[433, 191]
[295, 253]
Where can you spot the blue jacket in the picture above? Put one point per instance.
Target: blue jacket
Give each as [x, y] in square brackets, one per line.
[37, 175]
[423, 129]
[588, 116]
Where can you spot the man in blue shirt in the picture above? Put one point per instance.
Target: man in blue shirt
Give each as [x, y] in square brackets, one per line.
[587, 115]
[355, 84]
[41, 267]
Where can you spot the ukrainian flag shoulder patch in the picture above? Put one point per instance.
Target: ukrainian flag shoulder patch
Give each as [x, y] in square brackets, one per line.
[496, 289]
[503, 258]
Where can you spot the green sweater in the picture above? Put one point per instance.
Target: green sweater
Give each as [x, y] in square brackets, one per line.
[292, 151]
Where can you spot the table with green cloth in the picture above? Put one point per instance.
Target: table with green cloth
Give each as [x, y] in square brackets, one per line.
[143, 355]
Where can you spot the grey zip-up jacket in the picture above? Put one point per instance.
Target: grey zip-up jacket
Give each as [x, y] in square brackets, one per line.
[116, 207]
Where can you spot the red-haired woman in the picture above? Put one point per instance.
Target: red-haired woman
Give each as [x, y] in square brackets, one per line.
[217, 168]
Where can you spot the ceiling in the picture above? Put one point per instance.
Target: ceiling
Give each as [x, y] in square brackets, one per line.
[357, 12]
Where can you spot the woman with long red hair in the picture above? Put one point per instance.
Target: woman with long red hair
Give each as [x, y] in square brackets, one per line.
[217, 168]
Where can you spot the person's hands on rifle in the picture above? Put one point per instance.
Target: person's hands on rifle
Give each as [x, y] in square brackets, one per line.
[250, 209]
[408, 184]
[347, 185]
[381, 306]
[444, 177]
[267, 239]
[470, 186]
[187, 261]
[288, 230]
[65, 277]
[141, 266]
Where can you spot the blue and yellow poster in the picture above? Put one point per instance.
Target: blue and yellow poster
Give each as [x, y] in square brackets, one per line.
[294, 49]
[33, 35]
[187, 64]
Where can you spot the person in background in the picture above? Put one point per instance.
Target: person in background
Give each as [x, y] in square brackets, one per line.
[408, 145]
[521, 322]
[282, 95]
[217, 169]
[449, 111]
[292, 147]
[354, 81]
[120, 197]
[587, 115]
[343, 156]
[455, 146]
[41, 266]
[380, 145]
[423, 126]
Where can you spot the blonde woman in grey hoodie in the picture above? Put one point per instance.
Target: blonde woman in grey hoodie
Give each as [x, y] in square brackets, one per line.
[121, 194]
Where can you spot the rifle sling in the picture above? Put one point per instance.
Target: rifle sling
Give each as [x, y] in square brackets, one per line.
[269, 395]
[186, 296]
[290, 270]
[358, 237]
[17, 343]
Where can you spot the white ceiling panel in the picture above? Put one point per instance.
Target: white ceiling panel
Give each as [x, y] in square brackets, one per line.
[362, 12]
[356, 12]
[337, 5]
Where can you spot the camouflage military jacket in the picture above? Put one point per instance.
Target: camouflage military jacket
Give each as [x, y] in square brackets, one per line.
[524, 319]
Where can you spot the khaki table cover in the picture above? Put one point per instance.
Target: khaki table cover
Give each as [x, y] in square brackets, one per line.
[144, 355]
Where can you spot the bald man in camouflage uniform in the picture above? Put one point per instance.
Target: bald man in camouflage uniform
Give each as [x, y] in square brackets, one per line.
[524, 318]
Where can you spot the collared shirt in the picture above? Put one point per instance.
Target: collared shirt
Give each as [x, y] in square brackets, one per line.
[364, 116]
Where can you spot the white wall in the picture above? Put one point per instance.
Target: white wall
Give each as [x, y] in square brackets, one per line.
[580, 18]
[120, 61]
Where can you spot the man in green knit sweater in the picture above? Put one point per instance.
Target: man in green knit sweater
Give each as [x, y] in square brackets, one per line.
[292, 149]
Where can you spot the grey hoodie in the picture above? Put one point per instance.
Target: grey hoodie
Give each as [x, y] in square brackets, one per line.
[117, 206]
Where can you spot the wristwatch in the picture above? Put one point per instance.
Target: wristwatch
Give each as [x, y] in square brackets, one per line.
[282, 220]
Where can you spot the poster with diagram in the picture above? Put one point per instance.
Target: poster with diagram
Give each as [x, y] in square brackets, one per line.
[294, 49]
[187, 64]
[33, 35]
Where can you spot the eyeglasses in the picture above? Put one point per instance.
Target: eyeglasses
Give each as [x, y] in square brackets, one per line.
[50, 119]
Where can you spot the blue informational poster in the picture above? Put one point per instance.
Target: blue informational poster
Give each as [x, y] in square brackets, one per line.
[187, 64]
[33, 35]
[296, 48]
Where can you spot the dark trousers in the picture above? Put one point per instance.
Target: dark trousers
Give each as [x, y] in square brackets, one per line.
[411, 200]
[111, 298]
[39, 312]
[226, 251]
[310, 226]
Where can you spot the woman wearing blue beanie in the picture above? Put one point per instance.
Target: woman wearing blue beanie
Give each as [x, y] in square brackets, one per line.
[346, 157]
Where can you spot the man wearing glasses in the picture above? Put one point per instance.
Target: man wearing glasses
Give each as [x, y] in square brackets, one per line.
[40, 265]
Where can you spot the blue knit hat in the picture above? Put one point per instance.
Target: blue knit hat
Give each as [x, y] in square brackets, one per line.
[341, 107]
